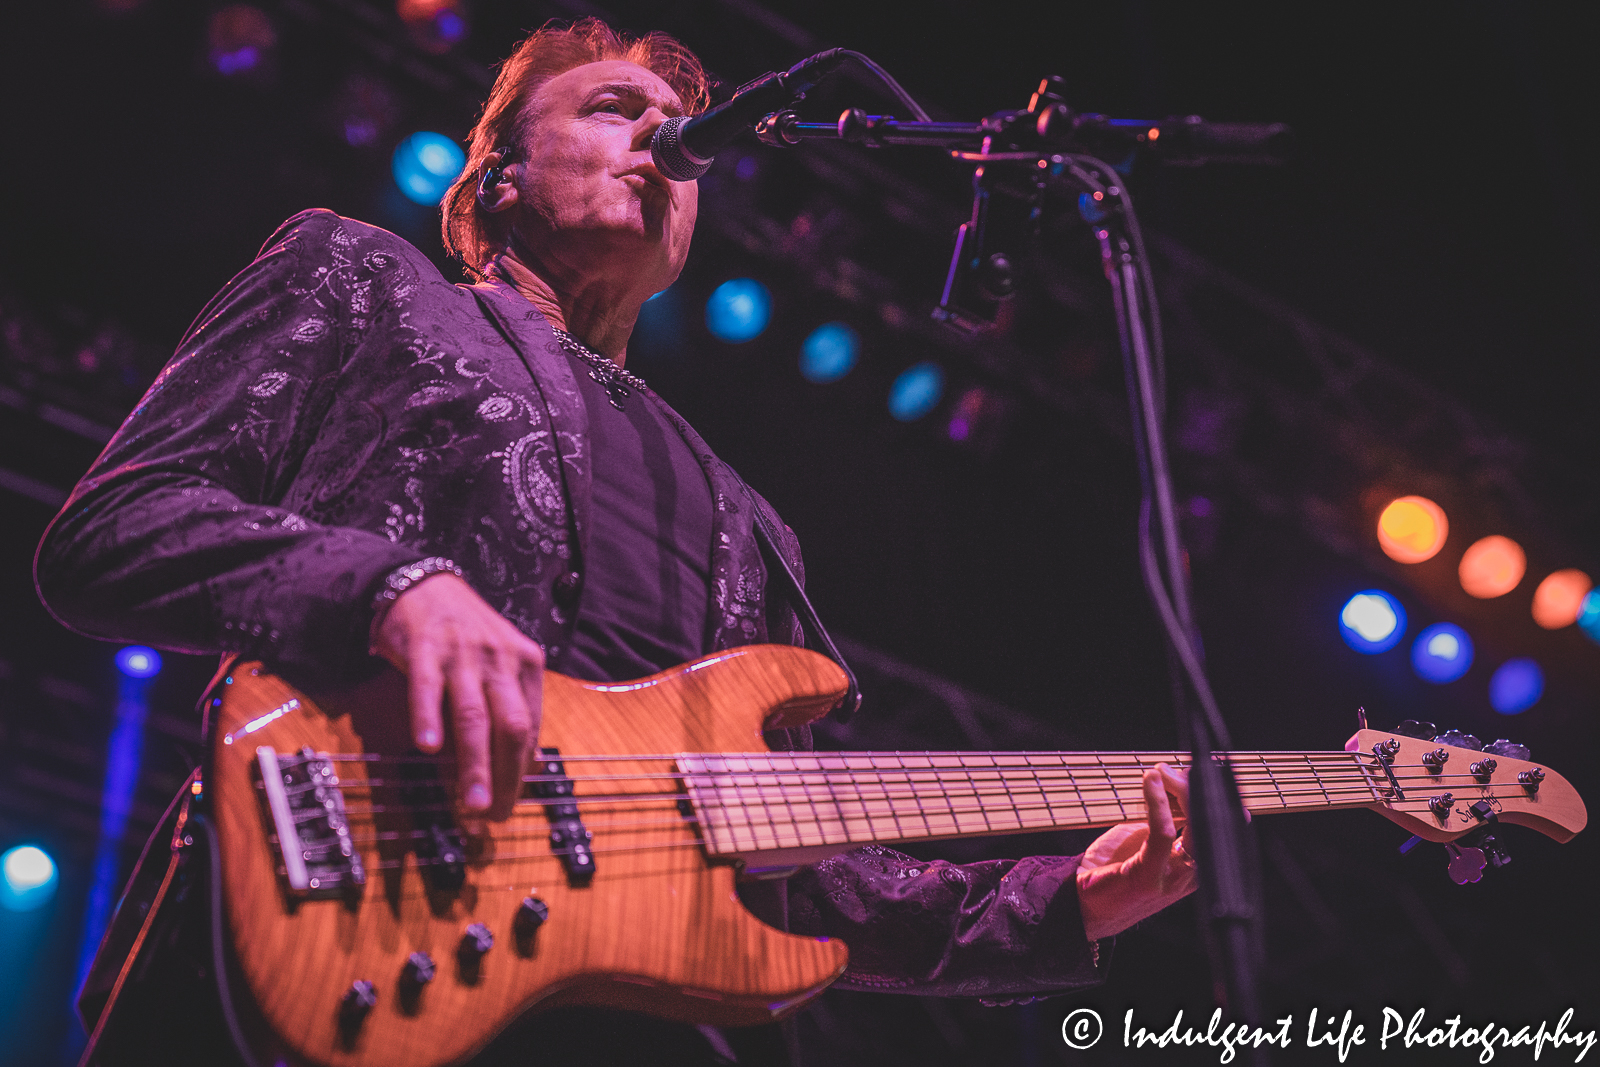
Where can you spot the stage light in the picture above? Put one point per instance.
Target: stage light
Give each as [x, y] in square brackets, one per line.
[1442, 653]
[1589, 616]
[238, 38]
[1559, 598]
[829, 353]
[27, 878]
[1516, 686]
[968, 413]
[136, 661]
[738, 310]
[1372, 622]
[436, 25]
[364, 110]
[425, 164]
[1492, 567]
[1412, 529]
[916, 391]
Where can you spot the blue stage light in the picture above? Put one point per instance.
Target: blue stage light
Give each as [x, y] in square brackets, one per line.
[27, 878]
[1516, 686]
[916, 392]
[829, 353]
[425, 164]
[136, 661]
[1372, 621]
[738, 310]
[1589, 615]
[1442, 653]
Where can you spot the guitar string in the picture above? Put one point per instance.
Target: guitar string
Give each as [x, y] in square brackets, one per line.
[1347, 762]
[757, 848]
[1026, 757]
[925, 787]
[922, 781]
[720, 806]
[886, 791]
[1346, 765]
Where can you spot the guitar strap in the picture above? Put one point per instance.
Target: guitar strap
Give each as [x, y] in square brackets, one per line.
[816, 634]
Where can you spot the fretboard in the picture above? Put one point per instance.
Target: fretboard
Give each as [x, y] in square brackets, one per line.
[753, 803]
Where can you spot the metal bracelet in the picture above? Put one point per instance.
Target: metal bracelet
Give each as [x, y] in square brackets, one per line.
[402, 578]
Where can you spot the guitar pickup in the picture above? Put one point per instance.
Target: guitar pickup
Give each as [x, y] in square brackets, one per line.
[306, 808]
[568, 836]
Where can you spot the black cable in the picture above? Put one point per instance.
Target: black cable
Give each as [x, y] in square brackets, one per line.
[888, 80]
[218, 956]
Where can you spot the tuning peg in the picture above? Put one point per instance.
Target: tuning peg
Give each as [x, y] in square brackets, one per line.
[1459, 739]
[1412, 728]
[358, 1000]
[1466, 864]
[1508, 749]
[476, 941]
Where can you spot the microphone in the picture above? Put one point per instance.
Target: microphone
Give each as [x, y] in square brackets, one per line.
[683, 148]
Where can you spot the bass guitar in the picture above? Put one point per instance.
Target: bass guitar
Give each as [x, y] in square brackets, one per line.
[370, 930]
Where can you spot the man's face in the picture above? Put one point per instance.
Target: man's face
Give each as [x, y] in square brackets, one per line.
[588, 183]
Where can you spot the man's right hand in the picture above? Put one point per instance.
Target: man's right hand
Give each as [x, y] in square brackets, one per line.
[457, 651]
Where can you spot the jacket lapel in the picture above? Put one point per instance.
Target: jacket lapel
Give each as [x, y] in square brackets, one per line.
[530, 336]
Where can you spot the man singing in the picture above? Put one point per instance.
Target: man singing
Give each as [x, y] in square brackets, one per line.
[351, 460]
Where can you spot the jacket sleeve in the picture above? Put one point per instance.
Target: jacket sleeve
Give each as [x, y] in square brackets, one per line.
[999, 929]
[175, 537]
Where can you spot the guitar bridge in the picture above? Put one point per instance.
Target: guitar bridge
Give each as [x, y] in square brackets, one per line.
[306, 808]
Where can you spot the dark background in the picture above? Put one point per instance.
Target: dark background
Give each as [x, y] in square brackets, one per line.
[1437, 221]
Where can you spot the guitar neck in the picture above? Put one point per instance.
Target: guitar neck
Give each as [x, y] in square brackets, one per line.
[768, 808]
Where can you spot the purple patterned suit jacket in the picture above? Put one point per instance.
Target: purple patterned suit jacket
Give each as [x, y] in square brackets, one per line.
[340, 410]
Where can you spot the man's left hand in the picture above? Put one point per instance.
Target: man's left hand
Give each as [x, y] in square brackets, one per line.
[1135, 869]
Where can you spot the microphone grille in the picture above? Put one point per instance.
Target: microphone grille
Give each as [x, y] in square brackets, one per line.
[671, 159]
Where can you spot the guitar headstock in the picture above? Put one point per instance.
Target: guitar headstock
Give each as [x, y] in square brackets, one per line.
[1447, 792]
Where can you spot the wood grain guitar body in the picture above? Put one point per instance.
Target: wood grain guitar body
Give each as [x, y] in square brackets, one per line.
[371, 931]
[656, 928]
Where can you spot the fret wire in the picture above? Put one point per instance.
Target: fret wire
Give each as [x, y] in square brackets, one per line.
[1272, 779]
[1318, 778]
[1072, 783]
[766, 810]
[922, 812]
[986, 824]
[838, 806]
[1038, 784]
[949, 800]
[862, 803]
[1366, 772]
[1113, 788]
[894, 812]
[811, 799]
[788, 807]
[1010, 794]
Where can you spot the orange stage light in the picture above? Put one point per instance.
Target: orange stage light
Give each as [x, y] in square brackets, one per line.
[1559, 598]
[1492, 567]
[1412, 529]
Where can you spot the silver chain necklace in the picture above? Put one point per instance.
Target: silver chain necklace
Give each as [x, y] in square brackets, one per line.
[617, 381]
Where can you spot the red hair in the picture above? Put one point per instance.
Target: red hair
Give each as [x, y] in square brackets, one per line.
[472, 234]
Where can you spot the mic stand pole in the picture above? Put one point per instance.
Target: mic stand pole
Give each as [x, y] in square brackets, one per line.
[1228, 870]
[1030, 146]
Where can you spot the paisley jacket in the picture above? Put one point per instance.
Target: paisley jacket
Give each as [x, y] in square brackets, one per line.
[339, 410]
